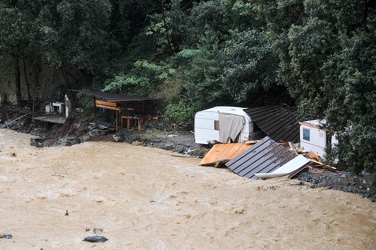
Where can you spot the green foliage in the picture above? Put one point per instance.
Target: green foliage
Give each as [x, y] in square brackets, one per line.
[86, 101]
[309, 47]
[161, 32]
[209, 69]
[328, 64]
[202, 72]
[84, 40]
[141, 80]
[180, 111]
[17, 31]
[352, 73]
[249, 61]
[196, 54]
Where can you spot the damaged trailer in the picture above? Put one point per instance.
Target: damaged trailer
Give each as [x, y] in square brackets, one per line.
[222, 124]
[314, 136]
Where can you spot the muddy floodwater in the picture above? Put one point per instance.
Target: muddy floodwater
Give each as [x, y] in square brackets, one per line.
[146, 198]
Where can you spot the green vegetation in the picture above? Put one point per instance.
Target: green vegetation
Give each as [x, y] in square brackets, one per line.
[319, 55]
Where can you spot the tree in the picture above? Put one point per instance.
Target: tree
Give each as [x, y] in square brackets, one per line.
[350, 84]
[327, 63]
[83, 38]
[249, 70]
[57, 33]
[17, 31]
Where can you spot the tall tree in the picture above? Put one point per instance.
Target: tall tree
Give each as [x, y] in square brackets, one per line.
[249, 74]
[17, 32]
[83, 37]
[327, 63]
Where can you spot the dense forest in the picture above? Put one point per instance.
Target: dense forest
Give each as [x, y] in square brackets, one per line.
[317, 55]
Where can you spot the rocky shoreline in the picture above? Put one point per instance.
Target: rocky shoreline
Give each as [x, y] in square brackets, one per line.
[79, 129]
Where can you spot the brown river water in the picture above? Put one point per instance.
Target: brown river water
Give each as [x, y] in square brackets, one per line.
[147, 198]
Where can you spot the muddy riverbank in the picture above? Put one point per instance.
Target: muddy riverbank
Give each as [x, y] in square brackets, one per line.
[79, 129]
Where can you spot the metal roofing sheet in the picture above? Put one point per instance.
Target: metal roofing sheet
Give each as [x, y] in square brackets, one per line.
[280, 123]
[287, 168]
[264, 157]
[223, 152]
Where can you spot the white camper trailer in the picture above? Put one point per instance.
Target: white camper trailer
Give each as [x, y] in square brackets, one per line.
[222, 124]
[314, 138]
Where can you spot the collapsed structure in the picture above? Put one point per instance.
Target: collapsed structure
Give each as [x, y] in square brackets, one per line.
[275, 155]
[235, 124]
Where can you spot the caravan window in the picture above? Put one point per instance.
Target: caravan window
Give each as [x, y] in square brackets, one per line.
[216, 125]
[306, 134]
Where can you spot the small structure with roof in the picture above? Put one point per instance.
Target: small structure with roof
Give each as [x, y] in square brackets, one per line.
[222, 124]
[133, 110]
[314, 137]
[234, 124]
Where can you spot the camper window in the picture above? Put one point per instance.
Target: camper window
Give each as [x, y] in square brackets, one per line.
[216, 125]
[306, 134]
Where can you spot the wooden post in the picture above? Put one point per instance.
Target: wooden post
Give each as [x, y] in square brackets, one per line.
[139, 122]
[95, 112]
[117, 120]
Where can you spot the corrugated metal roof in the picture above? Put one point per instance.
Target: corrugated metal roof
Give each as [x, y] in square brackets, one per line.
[113, 97]
[290, 167]
[280, 123]
[223, 152]
[265, 156]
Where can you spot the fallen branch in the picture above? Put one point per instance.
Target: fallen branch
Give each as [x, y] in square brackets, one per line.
[6, 125]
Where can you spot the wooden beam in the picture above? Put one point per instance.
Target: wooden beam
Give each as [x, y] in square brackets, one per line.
[95, 113]
[313, 126]
[117, 120]
[106, 107]
[105, 103]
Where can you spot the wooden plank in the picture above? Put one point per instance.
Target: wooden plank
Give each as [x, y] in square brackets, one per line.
[107, 107]
[105, 103]
[117, 120]
[128, 121]
[313, 126]
[223, 151]
[314, 156]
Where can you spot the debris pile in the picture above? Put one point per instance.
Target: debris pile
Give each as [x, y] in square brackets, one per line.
[268, 159]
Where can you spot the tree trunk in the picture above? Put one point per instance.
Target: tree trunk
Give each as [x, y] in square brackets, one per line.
[17, 75]
[67, 76]
[27, 84]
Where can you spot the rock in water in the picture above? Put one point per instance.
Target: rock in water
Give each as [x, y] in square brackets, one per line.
[96, 238]
[7, 236]
[118, 137]
[97, 230]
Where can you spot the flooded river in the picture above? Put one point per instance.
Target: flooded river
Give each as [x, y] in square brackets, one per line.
[145, 198]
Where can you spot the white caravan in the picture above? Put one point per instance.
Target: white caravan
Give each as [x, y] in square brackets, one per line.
[222, 124]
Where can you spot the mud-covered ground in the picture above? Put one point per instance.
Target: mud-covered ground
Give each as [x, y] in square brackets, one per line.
[159, 134]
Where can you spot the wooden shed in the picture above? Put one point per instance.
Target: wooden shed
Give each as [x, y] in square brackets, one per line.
[130, 111]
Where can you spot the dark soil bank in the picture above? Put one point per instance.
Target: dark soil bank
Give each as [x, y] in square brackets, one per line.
[361, 184]
[160, 135]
